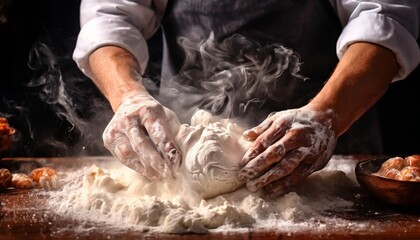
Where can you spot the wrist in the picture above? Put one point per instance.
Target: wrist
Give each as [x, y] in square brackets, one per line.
[126, 91]
[329, 116]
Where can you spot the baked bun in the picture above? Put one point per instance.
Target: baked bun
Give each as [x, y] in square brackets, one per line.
[403, 169]
[413, 160]
[397, 163]
[44, 177]
[5, 178]
[22, 181]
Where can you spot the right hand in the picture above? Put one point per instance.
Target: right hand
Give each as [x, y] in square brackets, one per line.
[140, 136]
[288, 146]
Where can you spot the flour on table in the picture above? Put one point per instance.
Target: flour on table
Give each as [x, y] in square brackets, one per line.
[204, 196]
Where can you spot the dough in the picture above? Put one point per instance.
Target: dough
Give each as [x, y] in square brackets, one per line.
[211, 152]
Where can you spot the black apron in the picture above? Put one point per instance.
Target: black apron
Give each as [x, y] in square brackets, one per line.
[310, 27]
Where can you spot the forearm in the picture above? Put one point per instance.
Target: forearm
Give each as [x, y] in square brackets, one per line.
[116, 72]
[359, 80]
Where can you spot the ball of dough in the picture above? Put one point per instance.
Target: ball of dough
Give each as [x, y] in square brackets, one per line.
[5, 178]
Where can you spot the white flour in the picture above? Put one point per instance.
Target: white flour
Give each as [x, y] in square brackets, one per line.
[113, 194]
[116, 195]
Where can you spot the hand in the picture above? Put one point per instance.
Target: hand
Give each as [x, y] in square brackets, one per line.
[289, 146]
[140, 136]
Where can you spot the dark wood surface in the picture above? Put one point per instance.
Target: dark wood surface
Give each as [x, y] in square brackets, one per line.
[24, 215]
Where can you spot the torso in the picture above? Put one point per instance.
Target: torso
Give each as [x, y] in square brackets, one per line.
[309, 27]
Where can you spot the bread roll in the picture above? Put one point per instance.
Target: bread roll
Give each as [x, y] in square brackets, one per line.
[397, 163]
[5, 134]
[5, 178]
[403, 169]
[4, 127]
[22, 181]
[391, 173]
[413, 160]
[409, 174]
[44, 177]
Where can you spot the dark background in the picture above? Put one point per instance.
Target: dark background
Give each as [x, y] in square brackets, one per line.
[47, 31]
[36, 42]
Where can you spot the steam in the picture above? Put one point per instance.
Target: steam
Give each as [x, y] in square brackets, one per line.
[227, 77]
[69, 97]
[51, 84]
[230, 79]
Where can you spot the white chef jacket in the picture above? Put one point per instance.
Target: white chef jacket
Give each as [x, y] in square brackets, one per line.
[393, 24]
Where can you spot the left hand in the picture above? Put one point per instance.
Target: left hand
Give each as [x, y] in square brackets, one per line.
[140, 136]
[289, 146]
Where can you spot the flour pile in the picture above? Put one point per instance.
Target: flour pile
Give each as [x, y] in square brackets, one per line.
[115, 195]
[205, 194]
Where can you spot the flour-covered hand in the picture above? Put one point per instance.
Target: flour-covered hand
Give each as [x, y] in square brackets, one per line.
[140, 135]
[289, 146]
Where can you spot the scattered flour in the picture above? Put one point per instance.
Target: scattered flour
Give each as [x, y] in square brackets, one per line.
[118, 196]
[205, 195]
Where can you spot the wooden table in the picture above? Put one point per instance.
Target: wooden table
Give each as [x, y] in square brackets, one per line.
[24, 215]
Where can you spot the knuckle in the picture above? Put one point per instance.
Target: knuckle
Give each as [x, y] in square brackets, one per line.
[263, 143]
[298, 136]
[277, 149]
[248, 173]
[123, 121]
[253, 186]
[124, 151]
[134, 132]
[107, 144]
[140, 148]
[251, 155]
[271, 155]
[280, 123]
[154, 108]
[259, 162]
[108, 140]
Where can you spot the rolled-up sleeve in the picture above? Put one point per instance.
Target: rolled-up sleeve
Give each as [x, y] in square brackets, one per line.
[123, 23]
[393, 24]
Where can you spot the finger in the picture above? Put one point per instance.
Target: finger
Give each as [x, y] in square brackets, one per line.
[258, 165]
[293, 139]
[254, 132]
[266, 139]
[161, 136]
[282, 186]
[123, 151]
[290, 162]
[109, 135]
[146, 153]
